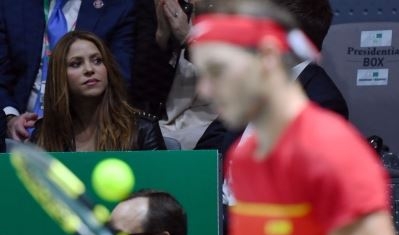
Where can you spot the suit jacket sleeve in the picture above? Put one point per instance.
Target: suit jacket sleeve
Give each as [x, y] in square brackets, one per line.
[121, 42]
[6, 73]
[321, 89]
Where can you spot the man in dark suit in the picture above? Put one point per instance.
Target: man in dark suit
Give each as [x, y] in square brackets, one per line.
[321, 89]
[314, 17]
[22, 30]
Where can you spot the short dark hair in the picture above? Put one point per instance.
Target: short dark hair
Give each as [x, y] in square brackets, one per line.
[313, 16]
[254, 8]
[165, 213]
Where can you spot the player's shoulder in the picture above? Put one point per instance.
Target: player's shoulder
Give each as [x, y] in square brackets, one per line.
[321, 125]
[326, 134]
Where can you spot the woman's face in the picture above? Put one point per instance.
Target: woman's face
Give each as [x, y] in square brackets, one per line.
[87, 74]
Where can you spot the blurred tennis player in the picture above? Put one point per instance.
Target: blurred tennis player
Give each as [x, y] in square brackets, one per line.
[304, 170]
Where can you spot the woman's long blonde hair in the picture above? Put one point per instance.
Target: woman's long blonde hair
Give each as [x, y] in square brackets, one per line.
[116, 127]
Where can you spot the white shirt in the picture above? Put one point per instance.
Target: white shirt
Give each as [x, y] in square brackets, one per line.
[70, 10]
[298, 69]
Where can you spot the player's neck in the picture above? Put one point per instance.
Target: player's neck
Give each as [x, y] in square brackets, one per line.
[283, 107]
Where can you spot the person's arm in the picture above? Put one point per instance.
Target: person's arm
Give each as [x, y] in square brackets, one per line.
[171, 19]
[373, 224]
[149, 133]
[7, 76]
[121, 41]
[321, 89]
[352, 185]
[163, 31]
[16, 124]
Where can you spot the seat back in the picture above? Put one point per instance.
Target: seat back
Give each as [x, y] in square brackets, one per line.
[361, 54]
[172, 143]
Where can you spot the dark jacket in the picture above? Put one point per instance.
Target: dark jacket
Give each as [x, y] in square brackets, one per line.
[321, 89]
[149, 135]
[153, 75]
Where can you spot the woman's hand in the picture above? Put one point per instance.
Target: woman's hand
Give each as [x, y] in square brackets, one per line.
[177, 19]
[163, 28]
[171, 20]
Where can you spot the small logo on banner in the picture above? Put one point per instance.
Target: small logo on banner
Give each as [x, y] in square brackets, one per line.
[372, 77]
[378, 38]
[98, 4]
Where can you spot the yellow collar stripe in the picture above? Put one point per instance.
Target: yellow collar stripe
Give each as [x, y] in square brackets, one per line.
[271, 210]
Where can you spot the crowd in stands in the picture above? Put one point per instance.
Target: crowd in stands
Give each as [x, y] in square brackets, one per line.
[150, 91]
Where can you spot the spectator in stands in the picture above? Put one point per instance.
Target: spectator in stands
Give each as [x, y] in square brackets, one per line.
[150, 212]
[28, 32]
[314, 17]
[85, 104]
[295, 172]
[151, 70]
[166, 80]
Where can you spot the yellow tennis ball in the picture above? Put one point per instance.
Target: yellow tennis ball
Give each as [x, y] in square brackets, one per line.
[113, 179]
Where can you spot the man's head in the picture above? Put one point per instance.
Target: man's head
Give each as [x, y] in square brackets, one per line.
[313, 16]
[150, 212]
[244, 51]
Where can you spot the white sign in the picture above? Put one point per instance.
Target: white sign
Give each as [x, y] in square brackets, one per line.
[378, 38]
[372, 77]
